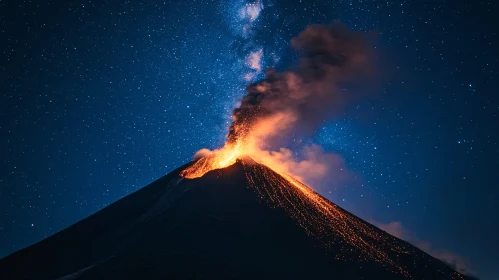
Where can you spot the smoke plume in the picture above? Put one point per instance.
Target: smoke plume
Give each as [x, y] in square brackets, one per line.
[454, 260]
[305, 97]
[292, 104]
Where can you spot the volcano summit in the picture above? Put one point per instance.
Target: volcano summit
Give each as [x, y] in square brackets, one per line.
[239, 212]
[243, 221]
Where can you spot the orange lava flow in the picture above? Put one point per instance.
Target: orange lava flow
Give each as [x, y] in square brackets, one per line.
[247, 145]
[332, 226]
[217, 159]
[316, 215]
[322, 220]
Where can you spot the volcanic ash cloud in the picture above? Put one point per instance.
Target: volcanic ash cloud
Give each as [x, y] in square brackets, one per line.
[304, 97]
[293, 104]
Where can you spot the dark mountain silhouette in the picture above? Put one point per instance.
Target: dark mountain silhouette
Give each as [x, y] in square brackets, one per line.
[244, 221]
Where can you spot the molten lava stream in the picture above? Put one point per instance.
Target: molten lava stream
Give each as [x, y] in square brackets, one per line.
[217, 159]
[316, 215]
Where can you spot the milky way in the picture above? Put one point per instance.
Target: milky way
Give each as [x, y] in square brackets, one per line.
[99, 99]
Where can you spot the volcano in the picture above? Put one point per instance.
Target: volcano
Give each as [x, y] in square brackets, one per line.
[243, 221]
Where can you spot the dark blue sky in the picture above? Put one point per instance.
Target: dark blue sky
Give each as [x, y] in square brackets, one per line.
[98, 99]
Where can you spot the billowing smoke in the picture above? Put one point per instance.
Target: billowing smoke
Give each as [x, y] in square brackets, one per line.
[305, 97]
[314, 166]
[292, 104]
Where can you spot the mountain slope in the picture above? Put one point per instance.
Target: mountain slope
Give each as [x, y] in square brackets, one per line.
[241, 222]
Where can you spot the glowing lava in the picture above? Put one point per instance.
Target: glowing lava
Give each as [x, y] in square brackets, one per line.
[336, 229]
[216, 159]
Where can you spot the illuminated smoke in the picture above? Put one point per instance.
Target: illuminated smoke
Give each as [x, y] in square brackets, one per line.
[294, 102]
[288, 103]
[331, 56]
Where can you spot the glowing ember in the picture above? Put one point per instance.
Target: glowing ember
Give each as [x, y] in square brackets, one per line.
[314, 213]
[333, 227]
[279, 104]
[217, 159]
[322, 220]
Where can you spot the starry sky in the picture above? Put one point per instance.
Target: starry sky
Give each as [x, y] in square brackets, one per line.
[100, 98]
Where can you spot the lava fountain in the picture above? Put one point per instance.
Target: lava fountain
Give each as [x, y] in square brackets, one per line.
[295, 102]
[217, 159]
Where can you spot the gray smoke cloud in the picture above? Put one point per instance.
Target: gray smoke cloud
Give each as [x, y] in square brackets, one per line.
[332, 58]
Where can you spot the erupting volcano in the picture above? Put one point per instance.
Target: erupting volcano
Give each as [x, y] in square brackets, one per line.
[241, 211]
[244, 221]
[294, 102]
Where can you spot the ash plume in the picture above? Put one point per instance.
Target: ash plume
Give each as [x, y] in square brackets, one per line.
[294, 103]
[305, 97]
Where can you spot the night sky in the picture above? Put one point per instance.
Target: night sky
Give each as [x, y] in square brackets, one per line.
[100, 98]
